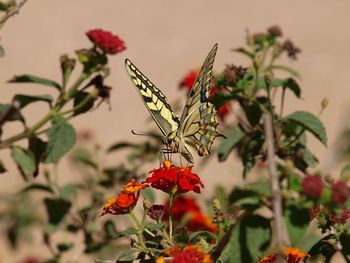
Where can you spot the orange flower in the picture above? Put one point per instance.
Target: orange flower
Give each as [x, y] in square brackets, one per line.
[133, 186]
[294, 255]
[125, 201]
[269, 259]
[189, 253]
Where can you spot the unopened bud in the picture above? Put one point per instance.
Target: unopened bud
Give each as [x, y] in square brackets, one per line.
[324, 103]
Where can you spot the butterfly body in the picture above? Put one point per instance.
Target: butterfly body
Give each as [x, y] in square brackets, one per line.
[197, 125]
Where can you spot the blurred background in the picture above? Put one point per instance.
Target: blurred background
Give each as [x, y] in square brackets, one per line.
[165, 40]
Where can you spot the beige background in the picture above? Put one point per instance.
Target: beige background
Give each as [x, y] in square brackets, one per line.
[166, 39]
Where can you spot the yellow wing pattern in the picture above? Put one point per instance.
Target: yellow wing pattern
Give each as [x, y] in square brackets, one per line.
[154, 100]
[198, 120]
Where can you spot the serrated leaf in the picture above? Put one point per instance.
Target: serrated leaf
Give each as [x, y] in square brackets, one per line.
[40, 187]
[109, 229]
[154, 226]
[62, 138]
[82, 155]
[288, 83]
[24, 100]
[309, 122]
[38, 148]
[148, 194]
[25, 161]
[86, 99]
[56, 209]
[34, 79]
[233, 137]
[12, 114]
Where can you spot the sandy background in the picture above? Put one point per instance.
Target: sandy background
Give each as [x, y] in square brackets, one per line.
[166, 39]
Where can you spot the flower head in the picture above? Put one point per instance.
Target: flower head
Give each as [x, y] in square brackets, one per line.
[294, 255]
[189, 253]
[275, 31]
[187, 208]
[340, 192]
[312, 186]
[269, 259]
[156, 212]
[291, 49]
[126, 200]
[174, 179]
[106, 41]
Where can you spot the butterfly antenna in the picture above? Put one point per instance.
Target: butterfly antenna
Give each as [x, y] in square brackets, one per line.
[139, 134]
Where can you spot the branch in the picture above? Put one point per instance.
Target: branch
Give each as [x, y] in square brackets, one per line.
[12, 12]
[280, 238]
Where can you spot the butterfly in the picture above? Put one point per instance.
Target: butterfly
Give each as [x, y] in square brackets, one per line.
[197, 126]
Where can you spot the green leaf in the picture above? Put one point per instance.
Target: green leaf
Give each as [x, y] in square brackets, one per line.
[127, 232]
[297, 221]
[121, 145]
[148, 194]
[37, 186]
[82, 155]
[62, 138]
[87, 102]
[62, 247]
[198, 235]
[12, 114]
[25, 161]
[35, 79]
[24, 100]
[233, 137]
[288, 83]
[309, 122]
[2, 51]
[287, 69]
[68, 191]
[244, 52]
[38, 148]
[345, 172]
[56, 209]
[109, 229]
[153, 227]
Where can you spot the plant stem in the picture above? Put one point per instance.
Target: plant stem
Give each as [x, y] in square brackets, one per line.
[280, 238]
[140, 229]
[172, 199]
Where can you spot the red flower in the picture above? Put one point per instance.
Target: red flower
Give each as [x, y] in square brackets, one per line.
[126, 200]
[340, 192]
[106, 41]
[190, 253]
[185, 207]
[174, 179]
[269, 259]
[314, 212]
[223, 110]
[342, 219]
[189, 79]
[156, 212]
[312, 186]
[294, 255]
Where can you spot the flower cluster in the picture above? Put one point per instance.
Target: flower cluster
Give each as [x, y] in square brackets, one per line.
[291, 255]
[106, 41]
[187, 208]
[173, 179]
[326, 218]
[189, 253]
[126, 200]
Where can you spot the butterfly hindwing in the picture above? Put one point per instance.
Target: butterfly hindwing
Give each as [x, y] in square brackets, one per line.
[154, 100]
[198, 121]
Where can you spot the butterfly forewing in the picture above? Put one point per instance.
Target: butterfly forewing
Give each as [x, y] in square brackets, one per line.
[154, 100]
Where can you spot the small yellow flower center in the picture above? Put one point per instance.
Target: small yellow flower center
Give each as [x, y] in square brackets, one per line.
[167, 164]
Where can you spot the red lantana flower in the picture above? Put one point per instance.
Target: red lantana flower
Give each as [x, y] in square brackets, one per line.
[173, 179]
[340, 192]
[190, 253]
[269, 259]
[126, 200]
[312, 186]
[223, 110]
[106, 41]
[189, 79]
[187, 208]
[291, 255]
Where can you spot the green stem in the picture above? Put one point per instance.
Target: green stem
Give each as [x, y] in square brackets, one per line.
[172, 199]
[140, 229]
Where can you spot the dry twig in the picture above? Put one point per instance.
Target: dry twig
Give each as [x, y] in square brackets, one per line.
[12, 12]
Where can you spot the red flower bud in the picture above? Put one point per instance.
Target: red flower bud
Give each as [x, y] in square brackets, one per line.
[312, 186]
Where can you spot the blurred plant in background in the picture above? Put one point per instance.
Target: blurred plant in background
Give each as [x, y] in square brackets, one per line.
[112, 213]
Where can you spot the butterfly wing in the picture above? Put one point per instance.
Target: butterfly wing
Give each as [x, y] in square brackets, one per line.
[154, 100]
[198, 120]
